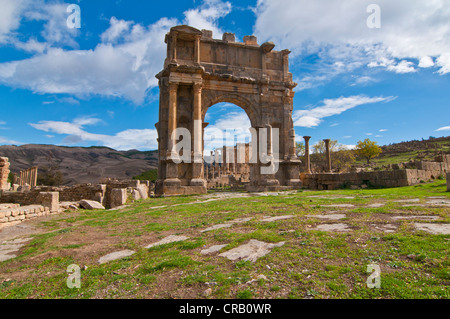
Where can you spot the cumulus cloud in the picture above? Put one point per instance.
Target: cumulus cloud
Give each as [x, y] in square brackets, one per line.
[330, 107]
[412, 34]
[445, 128]
[123, 64]
[10, 17]
[75, 132]
[207, 15]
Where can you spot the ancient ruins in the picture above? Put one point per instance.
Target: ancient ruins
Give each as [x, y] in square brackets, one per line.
[201, 71]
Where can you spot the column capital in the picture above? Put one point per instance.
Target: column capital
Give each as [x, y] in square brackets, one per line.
[306, 138]
[197, 86]
[173, 86]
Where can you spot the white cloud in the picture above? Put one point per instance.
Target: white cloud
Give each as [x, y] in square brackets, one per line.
[426, 62]
[124, 140]
[445, 128]
[206, 16]
[10, 17]
[410, 30]
[402, 67]
[117, 29]
[383, 130]
[331, 107]
[227, 130]
[123, 64]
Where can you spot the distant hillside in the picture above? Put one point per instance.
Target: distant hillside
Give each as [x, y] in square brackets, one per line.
[80, 164]
[423, 149]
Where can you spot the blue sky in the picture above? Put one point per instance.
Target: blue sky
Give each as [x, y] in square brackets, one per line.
[96, 85]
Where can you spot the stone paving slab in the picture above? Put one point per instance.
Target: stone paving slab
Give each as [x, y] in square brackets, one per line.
[333, 227]
[415, 217]
[435, 229]
[375, 205]
[387, 228]
[116, 255]
[251, 251]
[275, 218]
[9, 247]
[168, 240]
[329, 216]
[212, 249]
[218, 226]
[240, 220]
[412, 200]
[339, 205]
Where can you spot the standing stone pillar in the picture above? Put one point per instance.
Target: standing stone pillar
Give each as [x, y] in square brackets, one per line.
[172, 179]
[35, 176]
[328, 154]
[197, 166]
[4, 173]
[213, 164]
[307, 158]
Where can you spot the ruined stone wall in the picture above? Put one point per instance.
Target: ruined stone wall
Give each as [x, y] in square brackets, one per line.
[4, 173]
[97, 192]
[393, 178]
[14, 213]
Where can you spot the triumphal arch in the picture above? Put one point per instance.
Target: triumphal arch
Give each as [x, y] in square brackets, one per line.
[201, 71]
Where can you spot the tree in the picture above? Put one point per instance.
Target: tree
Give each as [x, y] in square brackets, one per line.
[341, 157]
[367, 149]
[300, 148]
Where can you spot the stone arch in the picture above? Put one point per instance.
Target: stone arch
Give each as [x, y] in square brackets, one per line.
[199, 72]
[244, 103]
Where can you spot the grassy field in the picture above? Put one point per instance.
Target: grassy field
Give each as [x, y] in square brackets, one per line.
[311, 263]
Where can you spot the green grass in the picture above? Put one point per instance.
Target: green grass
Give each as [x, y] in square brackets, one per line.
[311, 264]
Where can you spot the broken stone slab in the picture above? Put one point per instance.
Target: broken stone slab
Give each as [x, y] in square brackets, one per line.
[116, 255]
[218, 226]
[90, 204]
[375, 205]
[412, 200]
[439, 202]
[212, 249]
[251, 251]
[240, 220]
[168, 240]
[333, 227]
[328, 216]
[8, 247]
[387, 228]
[275, 218]
[339, 205]
[415, 217]
[435, 229]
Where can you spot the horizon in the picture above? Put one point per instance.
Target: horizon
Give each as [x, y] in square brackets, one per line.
[360, 75]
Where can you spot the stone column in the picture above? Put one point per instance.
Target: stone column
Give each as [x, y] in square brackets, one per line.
[307, 158]
[213, 163]
[197, 49]
[328, 154]
[35, 175]
[172, 120]
[197, 166]
[171, 166]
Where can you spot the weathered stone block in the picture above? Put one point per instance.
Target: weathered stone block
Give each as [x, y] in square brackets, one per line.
[91, 204]
[50, 200]
[118, 197]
